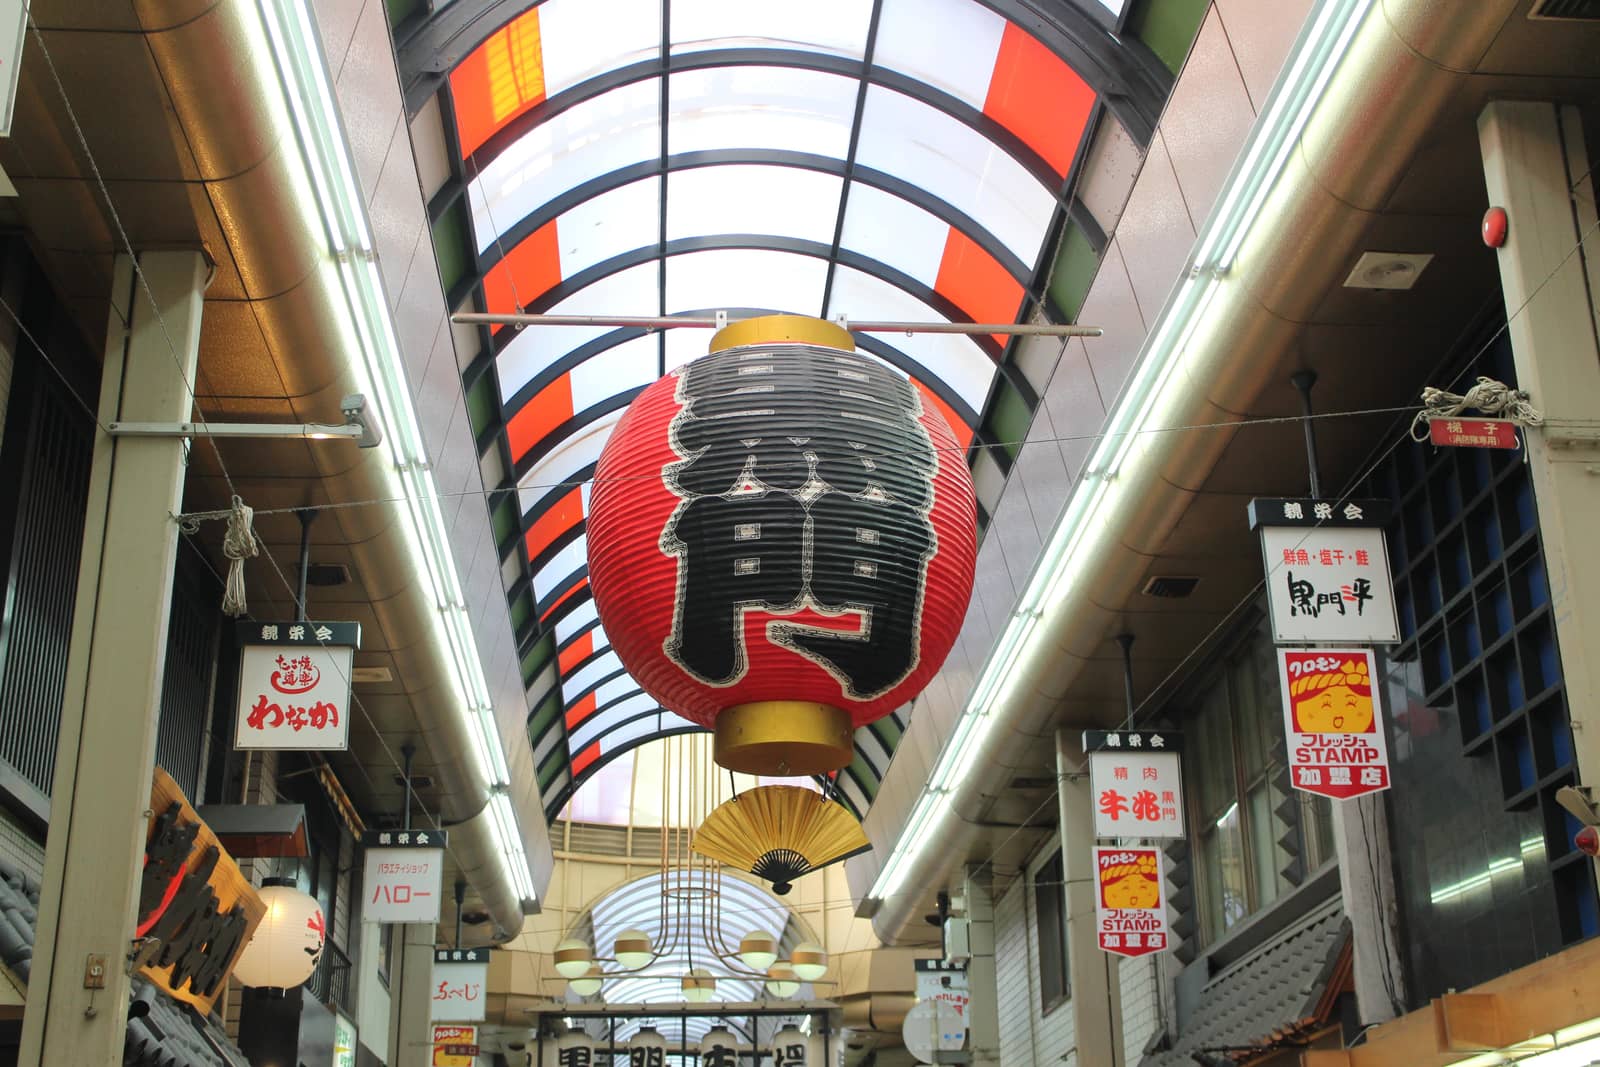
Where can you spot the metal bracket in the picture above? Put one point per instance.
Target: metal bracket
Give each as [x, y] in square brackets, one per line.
[1571, 439]
[360, 429]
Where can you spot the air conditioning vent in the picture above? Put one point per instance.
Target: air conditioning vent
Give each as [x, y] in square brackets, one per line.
[419, 782]
[1170, 587]
[597, 840]
[327, 574]
[1567, 10]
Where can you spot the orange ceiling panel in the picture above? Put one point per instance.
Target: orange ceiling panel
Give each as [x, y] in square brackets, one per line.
[1037, 96]
[502, 78]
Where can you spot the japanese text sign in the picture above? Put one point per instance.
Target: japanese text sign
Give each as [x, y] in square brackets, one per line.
[1333, 722]
[1328, 584]
[455, 1046]
[294, 685]
[935, 981]
[1473, 433]
[403, 872]
[789, 1048]
[1130, 914]
[344, 1042]
[460, 984]
[193, 901]
[1137, 792]
[646, 1056]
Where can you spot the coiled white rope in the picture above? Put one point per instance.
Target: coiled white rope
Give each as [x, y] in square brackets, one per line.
[1492, 398]
[238, 544]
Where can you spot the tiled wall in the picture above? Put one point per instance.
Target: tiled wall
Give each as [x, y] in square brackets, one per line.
[1028, 1038]
[18, 846]
[1152, 223]
[1138, 980]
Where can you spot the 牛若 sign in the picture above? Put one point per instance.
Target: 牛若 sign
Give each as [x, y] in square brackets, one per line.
[294, 685]
[192, 901]
[460, 984]
[1136, 781]
[1333, 722]
[1327, 570]
[1130, 910]
[403, 872]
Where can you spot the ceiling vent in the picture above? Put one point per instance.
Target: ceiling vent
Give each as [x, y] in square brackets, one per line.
[419, 782]
[1388, 270]
[369, 675]
[327, 574]
[1025, 782]
[1566, 10]
[1170, 587]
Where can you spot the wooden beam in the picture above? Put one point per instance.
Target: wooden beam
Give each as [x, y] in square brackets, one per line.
[1470, 1022]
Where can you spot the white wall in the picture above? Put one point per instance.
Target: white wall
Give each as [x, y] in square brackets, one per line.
[1028, 1037]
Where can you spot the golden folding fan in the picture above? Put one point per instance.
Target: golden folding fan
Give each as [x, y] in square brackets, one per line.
[779, 832]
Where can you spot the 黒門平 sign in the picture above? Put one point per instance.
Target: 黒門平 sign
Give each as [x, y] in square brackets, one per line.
[403, 872]
[1327, 570]
[294, 685]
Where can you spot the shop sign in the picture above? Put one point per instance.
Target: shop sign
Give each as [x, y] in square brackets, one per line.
[1327, 567]
[1130, 913]
[1136, 781]
[1473, 433]
[935, 981]
[403, 872]
[932, 1028]
[193, 902]
[455, 1046]
[461, 980]
[344, 1042]
[1333, 721]
[294, 685]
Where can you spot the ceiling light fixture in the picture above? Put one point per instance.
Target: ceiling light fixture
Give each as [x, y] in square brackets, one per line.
[352, 257]
[1157, 380]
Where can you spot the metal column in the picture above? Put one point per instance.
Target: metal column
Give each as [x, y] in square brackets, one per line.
[1096, 993]
[411, 996]
[983, 1011]
[106, 750]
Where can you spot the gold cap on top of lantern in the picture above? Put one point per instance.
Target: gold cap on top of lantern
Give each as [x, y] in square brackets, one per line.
[782, 329]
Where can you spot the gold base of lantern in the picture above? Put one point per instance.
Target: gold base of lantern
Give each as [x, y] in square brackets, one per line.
[783, 738]
[775, 329]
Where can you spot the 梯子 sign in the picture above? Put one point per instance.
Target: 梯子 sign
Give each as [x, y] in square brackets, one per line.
[1332, 721]
[294, 685]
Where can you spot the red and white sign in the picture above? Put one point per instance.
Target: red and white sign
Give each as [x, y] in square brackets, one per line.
[1130, 905]
[404, 870]
[1136, 793]
[1333, 721]
[455, 1046]
[460, 985]
[294, 686]
[1473, 433]
[1329, 584]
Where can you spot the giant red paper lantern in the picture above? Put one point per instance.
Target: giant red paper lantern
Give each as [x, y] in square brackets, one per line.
[781, 543]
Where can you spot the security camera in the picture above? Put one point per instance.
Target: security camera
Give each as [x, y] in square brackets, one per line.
[354, 409]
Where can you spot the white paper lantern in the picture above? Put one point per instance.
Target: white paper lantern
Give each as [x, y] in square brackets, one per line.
[647, 1049]
[809, 960]
[790, 1048]
[781, 980]
[632, 949]
[718, 1042]
[575, 1049]
[287, 944]
[573, 958]
[699, 986]
[759, 950]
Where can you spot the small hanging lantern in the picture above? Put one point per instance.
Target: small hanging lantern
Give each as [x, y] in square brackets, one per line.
[790, 1047]
[573, 957]
[288, 943]
[758, 950]
[809, 960]
[781, 980]
[575, 1049]
[699, 986]
[719, 1048]
[632, 949]
[588, 983]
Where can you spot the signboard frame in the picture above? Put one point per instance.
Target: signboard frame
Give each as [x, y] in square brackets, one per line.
[421, 854]
[1122, 864]
[294, 686]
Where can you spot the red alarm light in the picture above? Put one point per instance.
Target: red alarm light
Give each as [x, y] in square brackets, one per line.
[1495, 226]
[1588, 841]
[782, 539]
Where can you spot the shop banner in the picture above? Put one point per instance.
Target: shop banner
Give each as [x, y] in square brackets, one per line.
[1327, 570]
[344, 1042]
[1137, 783]
[460, 982]
[936, 981]
[294, 685]
[455, 1046]
[1130, 912]
[403, 872]
[193, 901]
[1333, 721]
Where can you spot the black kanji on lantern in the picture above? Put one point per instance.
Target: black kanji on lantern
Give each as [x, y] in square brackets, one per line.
[807, 481]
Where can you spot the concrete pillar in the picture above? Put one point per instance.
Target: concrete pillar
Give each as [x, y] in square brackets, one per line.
[1096, 993]
[106, 750]
[411, 996]
[1366, 882]
[983, 1010]
[1535, 166]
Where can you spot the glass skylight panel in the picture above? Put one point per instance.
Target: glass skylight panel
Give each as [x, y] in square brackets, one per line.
[562, 465]
[630, 365]
[952, 161]
[620, 731]
[628, 292]
[781, 201]
[589, 675]
[915, 37]
[615, 689]
[608, 225]
[837, 27]
[895, 232]
[606, 796]
[953, 358]
[684, 345]
[552, 577]
[574, 621]
[615, 129]
[745, 278]
[779, 108]
[582, 39]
